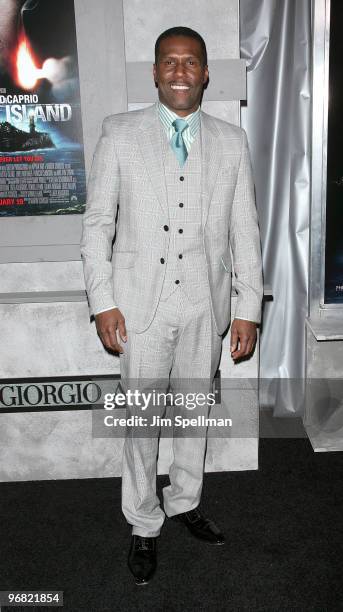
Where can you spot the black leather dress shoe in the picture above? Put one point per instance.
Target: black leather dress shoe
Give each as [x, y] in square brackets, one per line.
[201, 527]
[142, 558]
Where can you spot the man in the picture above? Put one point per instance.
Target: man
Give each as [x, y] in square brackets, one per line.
[174, 186]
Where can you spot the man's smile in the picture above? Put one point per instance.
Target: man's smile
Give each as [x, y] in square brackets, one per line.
[179, 87]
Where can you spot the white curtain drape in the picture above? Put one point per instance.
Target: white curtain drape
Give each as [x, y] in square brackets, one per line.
[276, 43]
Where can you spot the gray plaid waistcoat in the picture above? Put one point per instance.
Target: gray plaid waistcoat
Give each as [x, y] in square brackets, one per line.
[190, 269]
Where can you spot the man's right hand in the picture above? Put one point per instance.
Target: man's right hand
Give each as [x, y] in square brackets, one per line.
[107, 324]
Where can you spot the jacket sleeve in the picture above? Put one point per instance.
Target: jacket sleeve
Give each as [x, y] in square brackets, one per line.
[245, 242]
[98, 226]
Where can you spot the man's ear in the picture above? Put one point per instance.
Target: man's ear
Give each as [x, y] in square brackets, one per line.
[206, 75]
[154, 72]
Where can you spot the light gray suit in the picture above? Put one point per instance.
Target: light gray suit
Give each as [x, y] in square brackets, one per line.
[174, 330]
[128, 170]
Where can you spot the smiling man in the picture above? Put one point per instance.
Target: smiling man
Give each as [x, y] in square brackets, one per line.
[180, 71]
[161, 293]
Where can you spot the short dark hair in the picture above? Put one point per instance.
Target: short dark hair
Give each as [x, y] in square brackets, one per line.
[181, 31]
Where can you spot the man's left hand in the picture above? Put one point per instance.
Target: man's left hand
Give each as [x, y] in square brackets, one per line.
[243, 338]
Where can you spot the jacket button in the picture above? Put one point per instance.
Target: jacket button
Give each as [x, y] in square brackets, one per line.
[162, 260]
[177, 282]
[180, 256]
[166, 228]
[180, 231]
[182, 178]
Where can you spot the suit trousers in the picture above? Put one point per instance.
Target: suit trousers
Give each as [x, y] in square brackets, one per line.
[180, 347]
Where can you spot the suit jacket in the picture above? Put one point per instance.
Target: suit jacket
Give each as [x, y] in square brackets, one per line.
[127, 200]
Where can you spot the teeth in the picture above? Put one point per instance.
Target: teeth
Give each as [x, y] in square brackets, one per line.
[179, 86]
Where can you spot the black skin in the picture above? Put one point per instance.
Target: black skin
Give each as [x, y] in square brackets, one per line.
[179, 62]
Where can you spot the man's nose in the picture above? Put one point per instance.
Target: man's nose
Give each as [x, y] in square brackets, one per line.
[180, 67]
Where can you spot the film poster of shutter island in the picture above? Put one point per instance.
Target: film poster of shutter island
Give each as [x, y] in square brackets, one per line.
[42, 168]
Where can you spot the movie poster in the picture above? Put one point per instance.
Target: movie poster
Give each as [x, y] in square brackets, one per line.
[42, 168]
[334, 186]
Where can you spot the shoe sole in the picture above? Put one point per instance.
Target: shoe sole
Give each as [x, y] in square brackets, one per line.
[206, 541]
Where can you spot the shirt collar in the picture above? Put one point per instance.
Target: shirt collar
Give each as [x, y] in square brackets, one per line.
[167, 117]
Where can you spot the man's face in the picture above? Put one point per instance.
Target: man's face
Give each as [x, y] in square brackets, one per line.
[180, 74]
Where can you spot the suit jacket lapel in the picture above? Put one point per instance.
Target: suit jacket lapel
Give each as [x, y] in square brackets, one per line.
[148, 136]
[211, 152]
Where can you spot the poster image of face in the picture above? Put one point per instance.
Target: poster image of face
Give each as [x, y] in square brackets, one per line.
[42, 168]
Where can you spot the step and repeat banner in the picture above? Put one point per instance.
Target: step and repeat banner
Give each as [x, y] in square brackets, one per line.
[42, 169]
